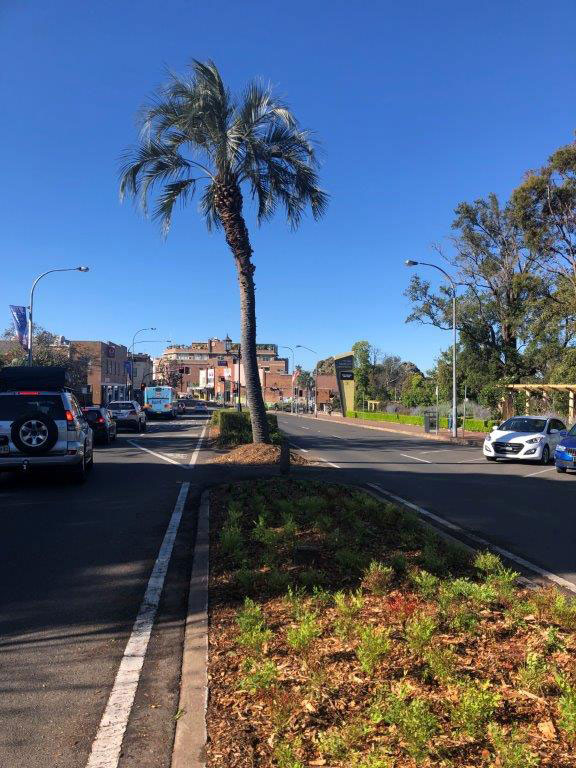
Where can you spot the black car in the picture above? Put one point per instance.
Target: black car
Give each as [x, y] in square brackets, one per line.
[102, 424]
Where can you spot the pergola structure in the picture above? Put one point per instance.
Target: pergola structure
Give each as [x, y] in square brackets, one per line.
[544, 389]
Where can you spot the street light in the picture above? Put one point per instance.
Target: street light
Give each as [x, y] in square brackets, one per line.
[132, 357]
[301, 346]
[285, 346]
[410, 263]
[31, 306]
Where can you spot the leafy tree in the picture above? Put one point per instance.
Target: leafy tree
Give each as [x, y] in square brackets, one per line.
[418, 391]
[502, 290]
[326, 367]
[197, 134]
[362, 370]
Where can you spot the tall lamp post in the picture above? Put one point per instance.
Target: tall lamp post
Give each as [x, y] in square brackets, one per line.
[31, 306]
[301, 346]
[132, 357]
[285, 346]
[410, 263]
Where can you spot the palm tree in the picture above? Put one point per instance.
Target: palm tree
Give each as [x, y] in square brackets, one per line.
[196, 134]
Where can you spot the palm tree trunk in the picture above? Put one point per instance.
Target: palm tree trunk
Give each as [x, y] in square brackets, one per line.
[229, 206]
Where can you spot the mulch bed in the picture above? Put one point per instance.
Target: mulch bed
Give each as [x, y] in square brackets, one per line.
[258, 453]
[321, 704]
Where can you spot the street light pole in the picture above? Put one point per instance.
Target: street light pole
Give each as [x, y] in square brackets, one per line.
[301, 346]
[132, 358]
[31, 306]
[410, 263]
[285, 346]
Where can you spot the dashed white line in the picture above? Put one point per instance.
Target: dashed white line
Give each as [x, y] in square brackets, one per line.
[560, 580]
[540, 472]
[439, 450]
[416, 458]
[336, 466]
[301, 427]
[106, 746]
[154, 453]
[304, 450]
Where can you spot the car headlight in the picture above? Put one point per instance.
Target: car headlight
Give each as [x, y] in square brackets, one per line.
[560, 447]
[535, 440]
[488, 438]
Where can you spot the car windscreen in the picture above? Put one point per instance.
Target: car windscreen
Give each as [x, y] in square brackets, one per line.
[572, 432]
[14, 406]
[120, 406]
[524, 425]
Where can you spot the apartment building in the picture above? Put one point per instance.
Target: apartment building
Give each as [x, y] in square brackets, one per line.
[107, 377]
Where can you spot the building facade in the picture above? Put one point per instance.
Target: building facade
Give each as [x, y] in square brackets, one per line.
[142, 371]
[107, 377]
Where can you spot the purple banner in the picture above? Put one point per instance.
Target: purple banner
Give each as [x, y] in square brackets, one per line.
[20, 324]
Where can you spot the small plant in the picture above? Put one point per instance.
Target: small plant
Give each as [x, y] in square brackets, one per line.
[331, 743]
[348, 607]
[432, 560]
[285, 755]
[415, 721]
[510, 750]
[476, 706]
[377, 578]
[532, 676]
[399, 563]
[258, 675]
[301, 636]
[232, 542]
[401, 607]
[553, 641]
[375, 759]
[563, 611]
[566, 706]
[419, 631]
[373, 644]
[425, 582]
[253, 634]
[441, 664]
[295, 597]
[487, 563]
[350, 560]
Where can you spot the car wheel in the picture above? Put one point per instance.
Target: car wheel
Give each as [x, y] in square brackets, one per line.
[34, 434]
[137, 427]
[144, 426]
[107, 439]
[545, 455]
[561, 469]
[90, 460]
[490, 458]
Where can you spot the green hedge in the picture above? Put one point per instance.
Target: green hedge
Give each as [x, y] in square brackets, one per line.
[236, 426]
[470, 425]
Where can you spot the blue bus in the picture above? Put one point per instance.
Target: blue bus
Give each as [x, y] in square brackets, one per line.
[160, 401]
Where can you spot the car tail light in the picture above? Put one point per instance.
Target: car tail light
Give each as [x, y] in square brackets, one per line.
[71, 422]
[28, 393]
[100, 420]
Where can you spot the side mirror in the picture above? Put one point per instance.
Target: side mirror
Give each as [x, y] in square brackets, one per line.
[554, 431]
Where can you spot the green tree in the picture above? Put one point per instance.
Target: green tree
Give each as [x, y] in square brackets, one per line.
[197, 134]
[362, 369]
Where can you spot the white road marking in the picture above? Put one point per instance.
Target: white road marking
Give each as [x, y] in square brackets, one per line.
[336, 466]
[154, 453]
[438, 450]
[198, 446]
[338, 436]
[301, 427]
[560, 580]
[541, 472]
[304, 450]
[407, 456]
[107, 745]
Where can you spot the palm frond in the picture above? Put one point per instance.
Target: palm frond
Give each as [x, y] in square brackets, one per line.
[176, 190]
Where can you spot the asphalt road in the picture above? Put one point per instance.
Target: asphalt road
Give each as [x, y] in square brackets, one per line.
[527, 509]
[74, 565]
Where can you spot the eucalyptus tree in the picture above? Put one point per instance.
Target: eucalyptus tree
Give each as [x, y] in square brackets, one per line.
[198, 137]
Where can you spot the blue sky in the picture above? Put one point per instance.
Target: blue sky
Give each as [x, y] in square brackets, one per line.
[418, 105]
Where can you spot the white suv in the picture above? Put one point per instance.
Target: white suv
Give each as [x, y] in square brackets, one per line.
[41, 423]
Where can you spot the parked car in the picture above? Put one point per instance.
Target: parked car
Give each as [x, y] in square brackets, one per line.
[200, 409]
[531, 438]
[565, 454]
[102, 424]
[41, 423]
[128, 413]
[181, 406]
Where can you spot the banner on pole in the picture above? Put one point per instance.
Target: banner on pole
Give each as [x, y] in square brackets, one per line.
[20, 324]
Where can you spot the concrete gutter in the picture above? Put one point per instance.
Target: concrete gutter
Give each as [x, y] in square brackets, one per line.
[190, 739]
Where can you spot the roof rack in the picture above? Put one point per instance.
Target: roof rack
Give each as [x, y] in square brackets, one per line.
[38, 377]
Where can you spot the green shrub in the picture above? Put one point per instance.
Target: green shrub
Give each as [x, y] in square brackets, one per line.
[377, 578]
[373, 644]
[532, 676]
[415, 721]
[566, 706]
[236, 427]
[285, 755]
[488, 563]
[375, 759]
[304, 633]
[348, 607]
[351, 560]
[258, 675]
[252, 625]
[426, 583]
[441, 664]
[475, 707]
[232, 542]
[510, 750]
[419, 631]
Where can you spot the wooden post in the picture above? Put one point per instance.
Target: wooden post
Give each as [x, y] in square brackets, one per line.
[527, 408]
[571, 406]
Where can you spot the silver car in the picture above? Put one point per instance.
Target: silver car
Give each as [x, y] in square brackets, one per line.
[128, 413]
[44, 429]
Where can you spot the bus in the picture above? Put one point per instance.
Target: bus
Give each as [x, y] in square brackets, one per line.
[160, 401]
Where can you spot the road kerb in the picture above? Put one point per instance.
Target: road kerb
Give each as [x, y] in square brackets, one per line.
[190, 738]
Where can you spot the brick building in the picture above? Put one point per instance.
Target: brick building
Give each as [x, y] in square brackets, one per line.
[208, 371]
[327, 389]
[107, 376]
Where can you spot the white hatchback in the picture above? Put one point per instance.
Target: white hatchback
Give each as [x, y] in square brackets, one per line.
[530, 438]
